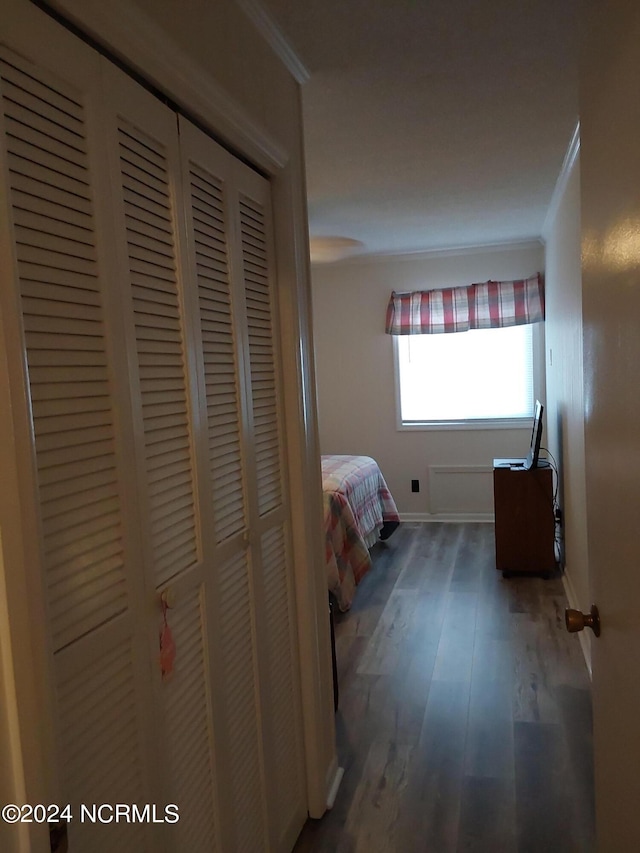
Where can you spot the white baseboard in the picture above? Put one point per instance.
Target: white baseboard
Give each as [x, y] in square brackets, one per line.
[333, 789]
[420, 517]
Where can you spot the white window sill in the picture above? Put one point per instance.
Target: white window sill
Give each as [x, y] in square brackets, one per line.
[503, 423]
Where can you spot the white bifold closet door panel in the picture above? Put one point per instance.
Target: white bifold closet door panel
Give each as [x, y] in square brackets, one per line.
[89, 563]
[269, 505]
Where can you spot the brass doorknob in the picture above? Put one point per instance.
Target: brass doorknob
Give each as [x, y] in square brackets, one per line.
[575, 620]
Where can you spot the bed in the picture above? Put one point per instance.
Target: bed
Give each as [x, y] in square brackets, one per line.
[358, 510]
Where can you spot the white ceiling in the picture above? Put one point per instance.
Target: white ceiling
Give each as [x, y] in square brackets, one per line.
[433, 124]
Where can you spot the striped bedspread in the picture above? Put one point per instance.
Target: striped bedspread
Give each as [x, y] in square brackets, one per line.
[357, 503]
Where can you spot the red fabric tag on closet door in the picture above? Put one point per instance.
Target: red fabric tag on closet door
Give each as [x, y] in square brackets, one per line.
[167, 651]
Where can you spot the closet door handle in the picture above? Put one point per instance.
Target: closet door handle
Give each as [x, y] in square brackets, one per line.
[168, 598]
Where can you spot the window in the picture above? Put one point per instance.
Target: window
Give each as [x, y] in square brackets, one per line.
[479, 377]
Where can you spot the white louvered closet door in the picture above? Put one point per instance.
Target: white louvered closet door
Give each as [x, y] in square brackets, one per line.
[229, 240]
[88, 555]
[145, 168]
[147, 304]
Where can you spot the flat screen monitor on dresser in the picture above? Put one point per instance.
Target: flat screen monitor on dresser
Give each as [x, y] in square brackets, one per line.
[536, 437]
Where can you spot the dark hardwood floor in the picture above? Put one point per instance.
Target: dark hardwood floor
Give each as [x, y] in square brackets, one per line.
[465, 709]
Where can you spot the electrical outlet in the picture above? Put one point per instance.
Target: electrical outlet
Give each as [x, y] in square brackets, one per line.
[415, 485]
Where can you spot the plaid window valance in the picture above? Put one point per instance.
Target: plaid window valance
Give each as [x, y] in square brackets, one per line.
[489, 305]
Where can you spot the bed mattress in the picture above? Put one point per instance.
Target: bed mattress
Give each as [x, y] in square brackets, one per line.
[358, 509]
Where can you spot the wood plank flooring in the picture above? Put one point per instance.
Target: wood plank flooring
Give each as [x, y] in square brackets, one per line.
[465, 709]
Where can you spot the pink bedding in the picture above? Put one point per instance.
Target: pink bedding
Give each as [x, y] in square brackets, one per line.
[357, 506]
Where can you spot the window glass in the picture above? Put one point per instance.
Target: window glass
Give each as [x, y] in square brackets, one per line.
[483, 374]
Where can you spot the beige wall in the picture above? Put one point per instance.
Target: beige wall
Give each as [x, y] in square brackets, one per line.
[565, 377]
[356, 383]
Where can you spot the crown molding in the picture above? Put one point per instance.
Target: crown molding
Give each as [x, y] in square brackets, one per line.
[429, 254]
[561, 184]
[130, 34]
[275, 38]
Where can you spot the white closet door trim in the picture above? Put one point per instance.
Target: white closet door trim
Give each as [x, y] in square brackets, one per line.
[303, 455]
[129, 32]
